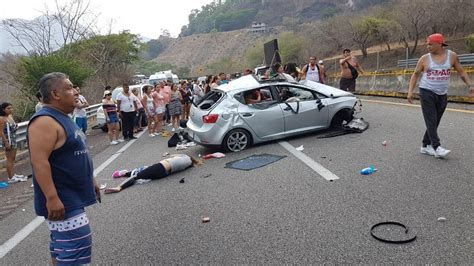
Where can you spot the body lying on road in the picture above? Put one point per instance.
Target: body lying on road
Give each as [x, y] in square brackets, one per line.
[176, 163]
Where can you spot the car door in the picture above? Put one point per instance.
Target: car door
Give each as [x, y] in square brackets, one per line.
[265, 119]
[302, 110]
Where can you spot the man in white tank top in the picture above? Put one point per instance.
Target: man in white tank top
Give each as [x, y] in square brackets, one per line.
[312, 71]
[435, 68]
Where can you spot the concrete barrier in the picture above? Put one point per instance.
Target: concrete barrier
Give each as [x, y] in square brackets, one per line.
[395, 84]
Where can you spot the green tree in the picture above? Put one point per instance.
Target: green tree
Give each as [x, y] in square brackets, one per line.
[151, 67]
[470, 43]
[152, 49]
[364, 32]
[291, 47]
[226, 64]
[183, 72]
[31, 69]
[109, 56]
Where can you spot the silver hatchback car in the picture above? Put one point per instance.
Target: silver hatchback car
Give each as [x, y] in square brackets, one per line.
[247, 111]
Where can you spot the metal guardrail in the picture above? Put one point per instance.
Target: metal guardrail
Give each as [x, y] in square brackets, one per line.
[22, 127]
[464, 59]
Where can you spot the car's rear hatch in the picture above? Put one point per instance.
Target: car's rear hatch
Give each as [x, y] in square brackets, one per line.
[204, 107]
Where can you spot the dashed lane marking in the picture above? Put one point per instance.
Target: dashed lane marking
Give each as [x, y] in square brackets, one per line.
[318, 168]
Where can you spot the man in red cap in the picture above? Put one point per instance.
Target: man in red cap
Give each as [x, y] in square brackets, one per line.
[435, 68]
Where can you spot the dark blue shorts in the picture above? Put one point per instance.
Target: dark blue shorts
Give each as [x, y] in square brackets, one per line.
[82, 123]
[71, 239]
[113, 118]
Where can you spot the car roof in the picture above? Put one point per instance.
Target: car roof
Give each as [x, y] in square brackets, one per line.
[250, 82]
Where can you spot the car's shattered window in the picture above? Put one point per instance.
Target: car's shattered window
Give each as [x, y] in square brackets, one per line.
[287, 92]
[210, 99]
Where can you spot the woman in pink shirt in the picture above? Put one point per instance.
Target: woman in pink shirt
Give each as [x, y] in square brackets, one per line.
[159, 101]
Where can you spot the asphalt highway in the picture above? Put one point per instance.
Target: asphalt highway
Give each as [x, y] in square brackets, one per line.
[286, 212]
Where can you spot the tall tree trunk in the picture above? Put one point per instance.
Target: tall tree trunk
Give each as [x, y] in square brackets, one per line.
[413, 50]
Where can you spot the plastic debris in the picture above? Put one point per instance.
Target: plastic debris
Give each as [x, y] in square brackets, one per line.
[254, 161]
[442, 219]
[206, 219]
[206, 176]
[165, 154]
[385, 143]
[119, 173]
[181, 181]
[368, 170]
[3, 184]
[23, 210]
[181, 147]
[103, 186]
[190, 144]
[300, 148]
[214, 155]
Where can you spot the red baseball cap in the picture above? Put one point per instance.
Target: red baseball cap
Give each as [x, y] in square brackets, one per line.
[436, 37]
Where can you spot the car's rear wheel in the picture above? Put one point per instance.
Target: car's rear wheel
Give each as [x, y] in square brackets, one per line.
[236, 140]
[344, 115]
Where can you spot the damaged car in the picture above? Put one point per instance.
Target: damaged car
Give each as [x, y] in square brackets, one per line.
[249, 110]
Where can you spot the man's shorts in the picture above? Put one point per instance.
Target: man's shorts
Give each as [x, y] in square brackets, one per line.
[71, 239]
[82, 123]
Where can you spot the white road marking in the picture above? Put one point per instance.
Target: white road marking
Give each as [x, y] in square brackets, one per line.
[318, 168]
[28, 229]
[416, 105]
[18, 237]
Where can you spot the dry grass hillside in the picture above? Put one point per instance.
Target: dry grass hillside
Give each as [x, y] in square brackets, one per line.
[200, 50]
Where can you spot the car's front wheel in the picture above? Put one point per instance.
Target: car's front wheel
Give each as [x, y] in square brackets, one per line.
[236, 140]
[344, 115]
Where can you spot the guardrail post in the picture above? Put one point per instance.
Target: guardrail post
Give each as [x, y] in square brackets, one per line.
[406, 58]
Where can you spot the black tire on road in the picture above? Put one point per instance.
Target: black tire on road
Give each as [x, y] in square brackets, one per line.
[236, 140]
[341, 116]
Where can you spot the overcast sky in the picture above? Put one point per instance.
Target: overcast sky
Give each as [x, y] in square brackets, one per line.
[144, 17]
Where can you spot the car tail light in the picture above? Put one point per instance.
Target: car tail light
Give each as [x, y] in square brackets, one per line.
[210, 118]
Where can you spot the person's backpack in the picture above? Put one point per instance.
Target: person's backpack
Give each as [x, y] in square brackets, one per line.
[174, 140]
[354, 71]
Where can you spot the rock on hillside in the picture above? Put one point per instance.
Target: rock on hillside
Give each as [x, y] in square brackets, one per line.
[198, 51]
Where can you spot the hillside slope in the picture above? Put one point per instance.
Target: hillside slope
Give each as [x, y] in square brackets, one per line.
[201, 50]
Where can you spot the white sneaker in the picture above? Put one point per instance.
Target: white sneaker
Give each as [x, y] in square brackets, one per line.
[120, 140]
[114, 142]
[17, 178]
[428, 150]
[151, 135]
[441, 152]
[180, 128]
[173, 129]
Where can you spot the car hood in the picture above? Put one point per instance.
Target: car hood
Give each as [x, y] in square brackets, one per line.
[325, 89]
